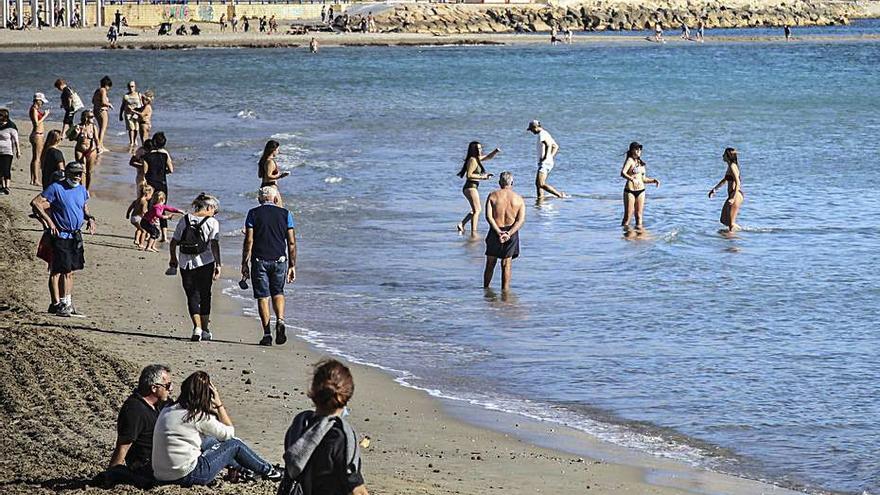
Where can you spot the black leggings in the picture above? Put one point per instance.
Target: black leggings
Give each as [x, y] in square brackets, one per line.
[197, 285]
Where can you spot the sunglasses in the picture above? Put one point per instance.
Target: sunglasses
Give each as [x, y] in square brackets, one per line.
[167, 386]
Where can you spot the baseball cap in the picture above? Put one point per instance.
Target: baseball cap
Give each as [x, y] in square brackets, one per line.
[74, 167]
[41, 97]
[533, 125]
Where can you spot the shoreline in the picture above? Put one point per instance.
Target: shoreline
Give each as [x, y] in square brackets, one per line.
[93, 39]
[420, 443]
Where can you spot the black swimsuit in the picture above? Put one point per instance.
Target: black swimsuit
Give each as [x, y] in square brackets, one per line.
[472, 184]
[634, 193]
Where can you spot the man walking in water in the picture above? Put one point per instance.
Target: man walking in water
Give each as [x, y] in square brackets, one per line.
[506, 213]
[269, 258]
[547, 150]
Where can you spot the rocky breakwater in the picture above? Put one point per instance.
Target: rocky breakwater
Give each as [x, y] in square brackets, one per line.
[616, 16]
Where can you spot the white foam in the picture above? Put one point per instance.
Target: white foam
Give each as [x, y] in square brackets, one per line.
[283, 136]
[332, 180]
[247, 114]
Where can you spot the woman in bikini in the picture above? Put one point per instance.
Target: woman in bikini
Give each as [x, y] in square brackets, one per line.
[38, 116]
[101, 107]
[473, 172]
[131, 102]
[267, 169]
[145, 115]
[86, 149]
[635, 172]
[735, 197]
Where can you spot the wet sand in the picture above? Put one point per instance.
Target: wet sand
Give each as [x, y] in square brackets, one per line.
[62, 381]
[211, 37]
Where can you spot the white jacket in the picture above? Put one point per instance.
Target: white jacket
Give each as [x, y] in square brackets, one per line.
[177, 444]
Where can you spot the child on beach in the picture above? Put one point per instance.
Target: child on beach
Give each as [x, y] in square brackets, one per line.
[321, 452]
[136, 211]
[156, 211]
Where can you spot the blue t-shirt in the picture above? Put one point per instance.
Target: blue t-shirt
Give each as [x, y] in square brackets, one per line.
[270, 224]
[67, 206]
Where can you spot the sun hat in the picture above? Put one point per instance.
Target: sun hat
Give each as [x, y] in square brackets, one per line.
[41, 97]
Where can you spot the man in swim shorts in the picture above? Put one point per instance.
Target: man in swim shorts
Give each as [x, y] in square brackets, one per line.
[506, 213]
[547, 150]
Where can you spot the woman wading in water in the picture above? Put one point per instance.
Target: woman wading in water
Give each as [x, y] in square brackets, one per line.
[101, 107]
[635, 172]
[735, 197]
[128, 112]
[267, 169]
[473, 172]
[38, 116]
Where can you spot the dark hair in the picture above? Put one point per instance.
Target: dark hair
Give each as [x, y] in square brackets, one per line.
[631, 152]
[195, 396]
[159, 140]
[151, 375]
[472, 152]
[53, 137]
[105, 81]
[332, 385]
[148, 144]
[730, 156]
[4, 114]
[271, 146]
[59, 83]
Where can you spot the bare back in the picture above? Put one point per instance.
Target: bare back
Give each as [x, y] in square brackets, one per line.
[506, 207]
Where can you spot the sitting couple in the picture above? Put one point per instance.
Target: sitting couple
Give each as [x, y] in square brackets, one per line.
[188, 442]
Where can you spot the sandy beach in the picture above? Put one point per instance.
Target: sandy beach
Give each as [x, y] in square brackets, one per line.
[211, 37]
[63, 380]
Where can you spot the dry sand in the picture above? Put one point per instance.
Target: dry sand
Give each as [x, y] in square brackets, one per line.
[211, 37]
[62, 381]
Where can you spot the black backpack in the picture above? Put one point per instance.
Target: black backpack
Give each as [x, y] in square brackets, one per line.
[193, 241]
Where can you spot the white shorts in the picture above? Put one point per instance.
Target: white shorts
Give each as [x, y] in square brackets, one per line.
[545, 168]
[136, 220]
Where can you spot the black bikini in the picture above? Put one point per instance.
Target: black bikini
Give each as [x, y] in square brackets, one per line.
[634, 193]
[472, 184]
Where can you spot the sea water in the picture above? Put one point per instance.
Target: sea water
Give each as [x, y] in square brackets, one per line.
[753, 354]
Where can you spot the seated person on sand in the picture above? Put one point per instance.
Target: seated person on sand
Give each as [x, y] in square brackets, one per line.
[165, 29]
[181, 31]
[321, 451]
[194, 439]
[131, 462]
[195, 30]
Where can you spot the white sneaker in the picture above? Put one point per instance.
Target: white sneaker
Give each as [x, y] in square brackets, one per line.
[206, 335]
[197, 335]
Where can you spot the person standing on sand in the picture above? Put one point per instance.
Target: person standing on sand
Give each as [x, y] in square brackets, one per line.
[37, 116]
[9, 149]
[131, 462]
[145, 115]
[506, 214]
[233, 22]
[62, 206]
[735, 196]
[547, 150]
[268, 257]
[198, 237]
[313, 45]
[101, 106]
[701, 27]
[787, 31]
[473, 172]
[131, 102]
[635, 171]
[685, 31]
[52, 160]
[157, 167]
[86, 148]
[321, 450]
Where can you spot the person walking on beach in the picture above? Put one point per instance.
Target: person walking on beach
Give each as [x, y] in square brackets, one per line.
[101, 107]
[194, 439]
[151, 222]
[52, 159]
[472, 172]
[63, 207]
[198, 237]
[547, 150]
[635, 171]
[787, 31]
[145, 115]
[735, 196]
[313, 45]
[70, 103]
[267, 168]
[128, 112]
[268, 257]
[506, 214]
[87, 145]
[9, 149]
[131, 462]
[701, 28]
[37, 116]
[157, 167]
[136, 211]
[320, 447]
[685, 31]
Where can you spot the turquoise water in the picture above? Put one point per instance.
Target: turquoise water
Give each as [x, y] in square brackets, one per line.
[753, 354]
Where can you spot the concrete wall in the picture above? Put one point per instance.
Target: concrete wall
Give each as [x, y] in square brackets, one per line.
[153, 15]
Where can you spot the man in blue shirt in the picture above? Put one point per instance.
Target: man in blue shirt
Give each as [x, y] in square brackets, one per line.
[62, 208]
[268, 257]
